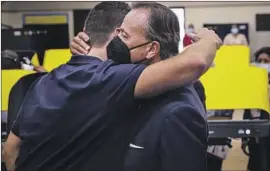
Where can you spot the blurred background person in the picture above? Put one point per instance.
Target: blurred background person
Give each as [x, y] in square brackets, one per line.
[258, 148]
[235, 38]
[187, 40]
[263, 55]
[10, 60]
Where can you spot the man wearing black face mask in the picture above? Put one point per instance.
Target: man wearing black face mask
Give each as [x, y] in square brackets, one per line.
[120, 53]
[83, 124]
[172, 130]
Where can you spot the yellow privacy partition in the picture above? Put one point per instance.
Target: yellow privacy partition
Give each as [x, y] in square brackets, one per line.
[56, 57]
[238, 56]
[9, 78]
[45, 18]
[35, 60]
[233, 83]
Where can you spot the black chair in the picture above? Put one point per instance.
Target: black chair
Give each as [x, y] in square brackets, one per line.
[17, 95]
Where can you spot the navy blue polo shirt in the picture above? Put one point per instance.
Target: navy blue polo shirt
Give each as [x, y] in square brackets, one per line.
[74, 113]
[173, 136]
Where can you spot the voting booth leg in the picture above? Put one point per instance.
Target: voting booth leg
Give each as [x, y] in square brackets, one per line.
[259, 155]
[3, 166]
[213, 163]
[264, 160]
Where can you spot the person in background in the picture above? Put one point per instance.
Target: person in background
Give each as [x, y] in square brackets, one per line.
[10, 60]
[263, 55]
[187, 40]
[259, 149]
[235, 38]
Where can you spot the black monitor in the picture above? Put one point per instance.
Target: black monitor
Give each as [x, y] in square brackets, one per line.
[15, 39]
[57, 36]
[262, 22]
[79, 17]
[37, 38]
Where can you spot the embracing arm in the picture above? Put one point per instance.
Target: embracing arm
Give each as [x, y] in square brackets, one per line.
[172, 73]
[180, 70]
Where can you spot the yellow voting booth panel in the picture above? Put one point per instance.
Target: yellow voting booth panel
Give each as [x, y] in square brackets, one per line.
[56, 57]
[35, 60]
[238, 56]
[233, 84]
[45, 18]
[9, 78]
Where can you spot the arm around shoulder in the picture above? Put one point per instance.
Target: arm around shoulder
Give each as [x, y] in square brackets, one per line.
[177, 71]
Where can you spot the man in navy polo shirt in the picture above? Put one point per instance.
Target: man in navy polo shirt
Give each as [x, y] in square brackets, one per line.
[93, 98]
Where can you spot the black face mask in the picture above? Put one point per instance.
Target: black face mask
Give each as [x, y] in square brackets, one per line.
[118, 51]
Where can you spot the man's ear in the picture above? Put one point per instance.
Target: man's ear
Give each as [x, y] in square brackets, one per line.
[153, 49]
[117, 30]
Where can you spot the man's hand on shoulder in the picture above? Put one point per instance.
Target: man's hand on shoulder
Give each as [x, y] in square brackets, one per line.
[78, 45]
[207, 35]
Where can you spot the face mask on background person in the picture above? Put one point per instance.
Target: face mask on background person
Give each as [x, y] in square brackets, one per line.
[234, 30]
[190, 30]
[265, 66]
[118, 51]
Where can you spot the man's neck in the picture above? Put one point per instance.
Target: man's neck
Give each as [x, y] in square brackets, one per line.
[98, 52]
[155, 60]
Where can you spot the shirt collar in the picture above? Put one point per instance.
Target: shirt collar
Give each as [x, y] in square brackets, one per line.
[83, 59]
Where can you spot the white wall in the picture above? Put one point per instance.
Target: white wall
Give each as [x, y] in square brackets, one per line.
[197, 13]
[13, 19]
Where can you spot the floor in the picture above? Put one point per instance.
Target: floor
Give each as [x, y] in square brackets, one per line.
[236, 159]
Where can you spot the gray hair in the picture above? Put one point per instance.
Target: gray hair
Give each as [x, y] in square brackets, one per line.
[163, 26]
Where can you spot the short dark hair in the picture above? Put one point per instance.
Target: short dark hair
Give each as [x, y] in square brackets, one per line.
[163, 26]
[265, 50]
[103, 19]
[190, 26]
